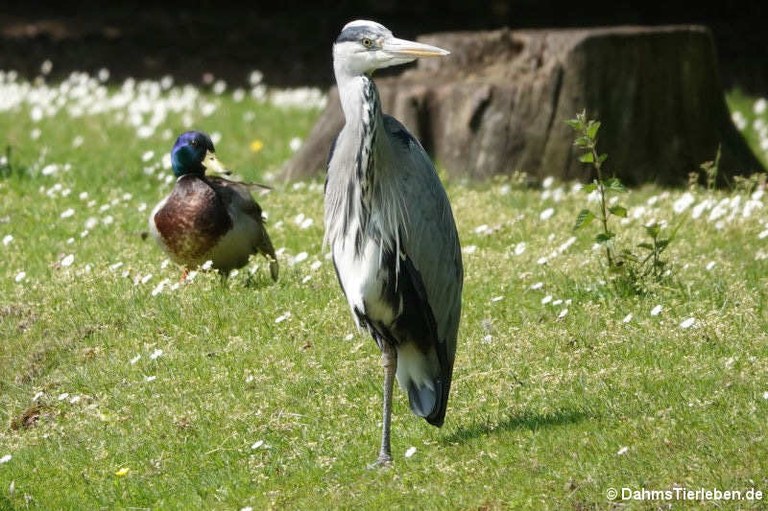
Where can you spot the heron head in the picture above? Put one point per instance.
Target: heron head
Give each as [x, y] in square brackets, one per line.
[193, 153]
[364, 46]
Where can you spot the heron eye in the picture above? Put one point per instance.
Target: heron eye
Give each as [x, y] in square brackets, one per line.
[367, 42]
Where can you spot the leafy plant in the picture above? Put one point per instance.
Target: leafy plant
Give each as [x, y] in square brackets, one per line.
[631, 270]
[653, 264]
[748, 184]
[711, 169]
[586, 140]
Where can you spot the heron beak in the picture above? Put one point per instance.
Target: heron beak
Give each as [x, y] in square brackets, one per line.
[212, 164]
[411, 49]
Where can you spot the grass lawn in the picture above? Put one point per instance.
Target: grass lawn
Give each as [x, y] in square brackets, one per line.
[121, 388]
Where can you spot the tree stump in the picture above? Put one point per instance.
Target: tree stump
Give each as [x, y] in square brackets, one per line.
[498, 105]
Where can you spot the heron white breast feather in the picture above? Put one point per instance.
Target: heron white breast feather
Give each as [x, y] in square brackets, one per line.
[360, 276]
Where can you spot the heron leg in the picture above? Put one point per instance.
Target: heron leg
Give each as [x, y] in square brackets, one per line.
[389, 362]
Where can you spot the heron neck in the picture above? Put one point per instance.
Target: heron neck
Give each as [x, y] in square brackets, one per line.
[362, 111]
[359, 100]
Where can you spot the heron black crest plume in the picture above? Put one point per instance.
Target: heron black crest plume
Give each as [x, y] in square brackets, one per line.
[391, 230]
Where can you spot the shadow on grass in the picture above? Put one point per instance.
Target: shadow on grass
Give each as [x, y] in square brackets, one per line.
[529, 420]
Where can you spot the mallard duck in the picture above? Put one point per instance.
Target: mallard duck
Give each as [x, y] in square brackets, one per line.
[208, 218]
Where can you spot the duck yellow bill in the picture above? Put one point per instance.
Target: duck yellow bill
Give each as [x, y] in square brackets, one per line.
[212, 164]
[405, 48]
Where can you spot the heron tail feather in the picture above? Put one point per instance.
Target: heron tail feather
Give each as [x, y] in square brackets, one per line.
[428, 402]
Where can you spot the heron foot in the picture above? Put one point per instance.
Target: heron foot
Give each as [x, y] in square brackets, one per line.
[383, 461]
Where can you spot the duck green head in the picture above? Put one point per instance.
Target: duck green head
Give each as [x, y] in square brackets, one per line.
[193, 154]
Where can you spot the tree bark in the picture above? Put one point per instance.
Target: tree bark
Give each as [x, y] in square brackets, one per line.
[498, 105]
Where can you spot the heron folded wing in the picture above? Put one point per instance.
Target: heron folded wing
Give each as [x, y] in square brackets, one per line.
[430, 237]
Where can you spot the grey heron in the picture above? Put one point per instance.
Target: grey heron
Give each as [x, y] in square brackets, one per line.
[208, 217]
[391, 230]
